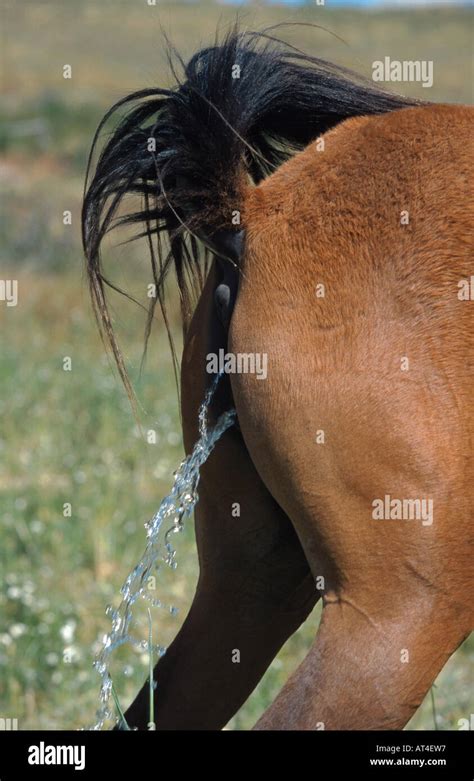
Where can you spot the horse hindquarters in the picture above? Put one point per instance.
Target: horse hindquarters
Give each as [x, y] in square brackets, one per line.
[381, 503]
[362, 430]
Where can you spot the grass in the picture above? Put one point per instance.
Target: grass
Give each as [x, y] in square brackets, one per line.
[151, 699]
[68, 437]
[122, 721]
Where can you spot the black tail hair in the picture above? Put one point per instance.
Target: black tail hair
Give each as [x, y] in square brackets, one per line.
[243, 107]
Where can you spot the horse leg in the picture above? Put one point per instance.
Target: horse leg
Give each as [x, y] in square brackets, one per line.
[370, 666]
[255, 587]
[398, 591]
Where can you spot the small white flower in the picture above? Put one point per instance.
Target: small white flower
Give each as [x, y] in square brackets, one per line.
[70, 654]
[67, 631]
[17, 630]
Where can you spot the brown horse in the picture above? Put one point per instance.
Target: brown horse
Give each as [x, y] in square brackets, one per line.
[350, 268]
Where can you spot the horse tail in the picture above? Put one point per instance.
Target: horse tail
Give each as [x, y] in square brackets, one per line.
[242, 107]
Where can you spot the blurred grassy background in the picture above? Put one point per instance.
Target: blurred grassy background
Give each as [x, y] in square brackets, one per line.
[70, 436]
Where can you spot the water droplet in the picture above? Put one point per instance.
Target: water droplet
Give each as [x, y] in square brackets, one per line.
[179, 504]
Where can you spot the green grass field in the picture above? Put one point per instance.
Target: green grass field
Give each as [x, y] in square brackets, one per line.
[69, 436]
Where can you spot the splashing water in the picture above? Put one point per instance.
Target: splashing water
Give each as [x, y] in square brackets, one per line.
[168, 520]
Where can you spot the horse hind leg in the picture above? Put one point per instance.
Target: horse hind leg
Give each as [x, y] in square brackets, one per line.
[255, 587]
[399, 592]
[370, 666]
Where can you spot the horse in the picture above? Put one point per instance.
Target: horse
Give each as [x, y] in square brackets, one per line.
[316, 219]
